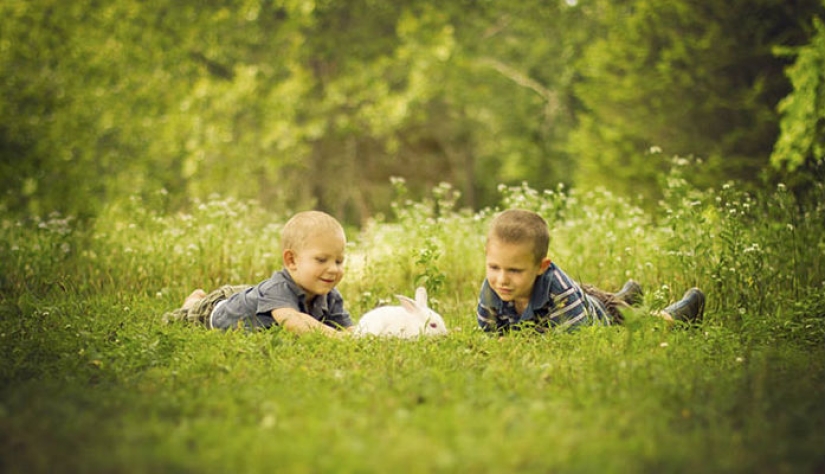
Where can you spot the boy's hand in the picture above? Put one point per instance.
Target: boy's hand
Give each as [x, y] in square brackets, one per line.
[301, 323]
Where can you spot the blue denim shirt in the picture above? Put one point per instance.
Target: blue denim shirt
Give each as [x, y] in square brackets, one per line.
[556, 302]
[253, 307]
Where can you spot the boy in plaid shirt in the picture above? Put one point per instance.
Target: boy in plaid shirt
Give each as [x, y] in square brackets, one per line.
[523, 286]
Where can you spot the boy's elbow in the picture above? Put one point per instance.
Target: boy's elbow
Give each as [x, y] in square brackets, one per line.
[486, 325]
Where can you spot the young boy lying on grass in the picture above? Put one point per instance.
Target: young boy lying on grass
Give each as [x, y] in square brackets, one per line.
[524, 287]
[300, 298]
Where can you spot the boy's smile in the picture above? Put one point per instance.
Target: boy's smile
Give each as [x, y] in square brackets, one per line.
[512, 271]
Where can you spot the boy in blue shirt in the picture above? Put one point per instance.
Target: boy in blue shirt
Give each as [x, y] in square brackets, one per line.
[300, 298]
[523, 286]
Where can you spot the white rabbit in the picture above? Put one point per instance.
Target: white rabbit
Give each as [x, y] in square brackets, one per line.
[412, 319]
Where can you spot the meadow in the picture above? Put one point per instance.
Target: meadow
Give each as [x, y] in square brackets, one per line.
[92, 380]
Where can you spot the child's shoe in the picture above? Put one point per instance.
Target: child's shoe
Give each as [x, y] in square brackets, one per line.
[690, 308]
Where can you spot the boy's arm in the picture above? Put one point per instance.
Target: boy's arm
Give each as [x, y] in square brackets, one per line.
[486, 316]
[570, 310]
[487, 320]
[299, 323]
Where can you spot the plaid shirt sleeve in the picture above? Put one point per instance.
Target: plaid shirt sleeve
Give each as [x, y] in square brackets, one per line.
[570, 305]
[487, 316]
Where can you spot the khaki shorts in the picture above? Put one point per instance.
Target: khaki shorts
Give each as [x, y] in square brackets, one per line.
[201, 311]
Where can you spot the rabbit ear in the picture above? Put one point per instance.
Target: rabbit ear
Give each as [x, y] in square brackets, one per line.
[408, 304]
[421, 296]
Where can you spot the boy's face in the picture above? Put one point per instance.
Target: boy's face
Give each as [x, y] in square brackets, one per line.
[512, 269]
[319, 265]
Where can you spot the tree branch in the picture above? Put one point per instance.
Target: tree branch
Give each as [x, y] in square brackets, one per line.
[523, 80]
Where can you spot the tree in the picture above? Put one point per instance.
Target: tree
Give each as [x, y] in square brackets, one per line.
[691, 78]
[800, 149]
[317, 103]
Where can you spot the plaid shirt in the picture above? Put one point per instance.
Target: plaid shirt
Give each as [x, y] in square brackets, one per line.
[557, 302]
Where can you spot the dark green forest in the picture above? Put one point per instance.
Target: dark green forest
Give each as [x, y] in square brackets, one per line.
[302, 103]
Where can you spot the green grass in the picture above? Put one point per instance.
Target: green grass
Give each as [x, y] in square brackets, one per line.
[92, 381]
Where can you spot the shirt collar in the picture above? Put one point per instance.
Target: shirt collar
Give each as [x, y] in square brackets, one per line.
[319, 305]
[541, 288]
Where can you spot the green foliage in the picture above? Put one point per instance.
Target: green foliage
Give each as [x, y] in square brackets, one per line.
[695, 80]
[248, 99]
[317, 104]
[802, 137]
[92, 381]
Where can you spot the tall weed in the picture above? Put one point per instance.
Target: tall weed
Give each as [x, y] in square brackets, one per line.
[219, 241]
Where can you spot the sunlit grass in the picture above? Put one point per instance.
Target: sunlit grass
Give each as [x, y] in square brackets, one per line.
[92, 381]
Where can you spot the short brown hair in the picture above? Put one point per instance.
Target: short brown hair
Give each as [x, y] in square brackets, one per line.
[304, 225]
[516, 226]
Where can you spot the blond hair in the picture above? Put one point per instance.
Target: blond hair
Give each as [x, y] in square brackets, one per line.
[516, 226]
[305, 225]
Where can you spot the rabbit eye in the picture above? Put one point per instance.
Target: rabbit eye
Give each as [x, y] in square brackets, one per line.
[433, 325]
